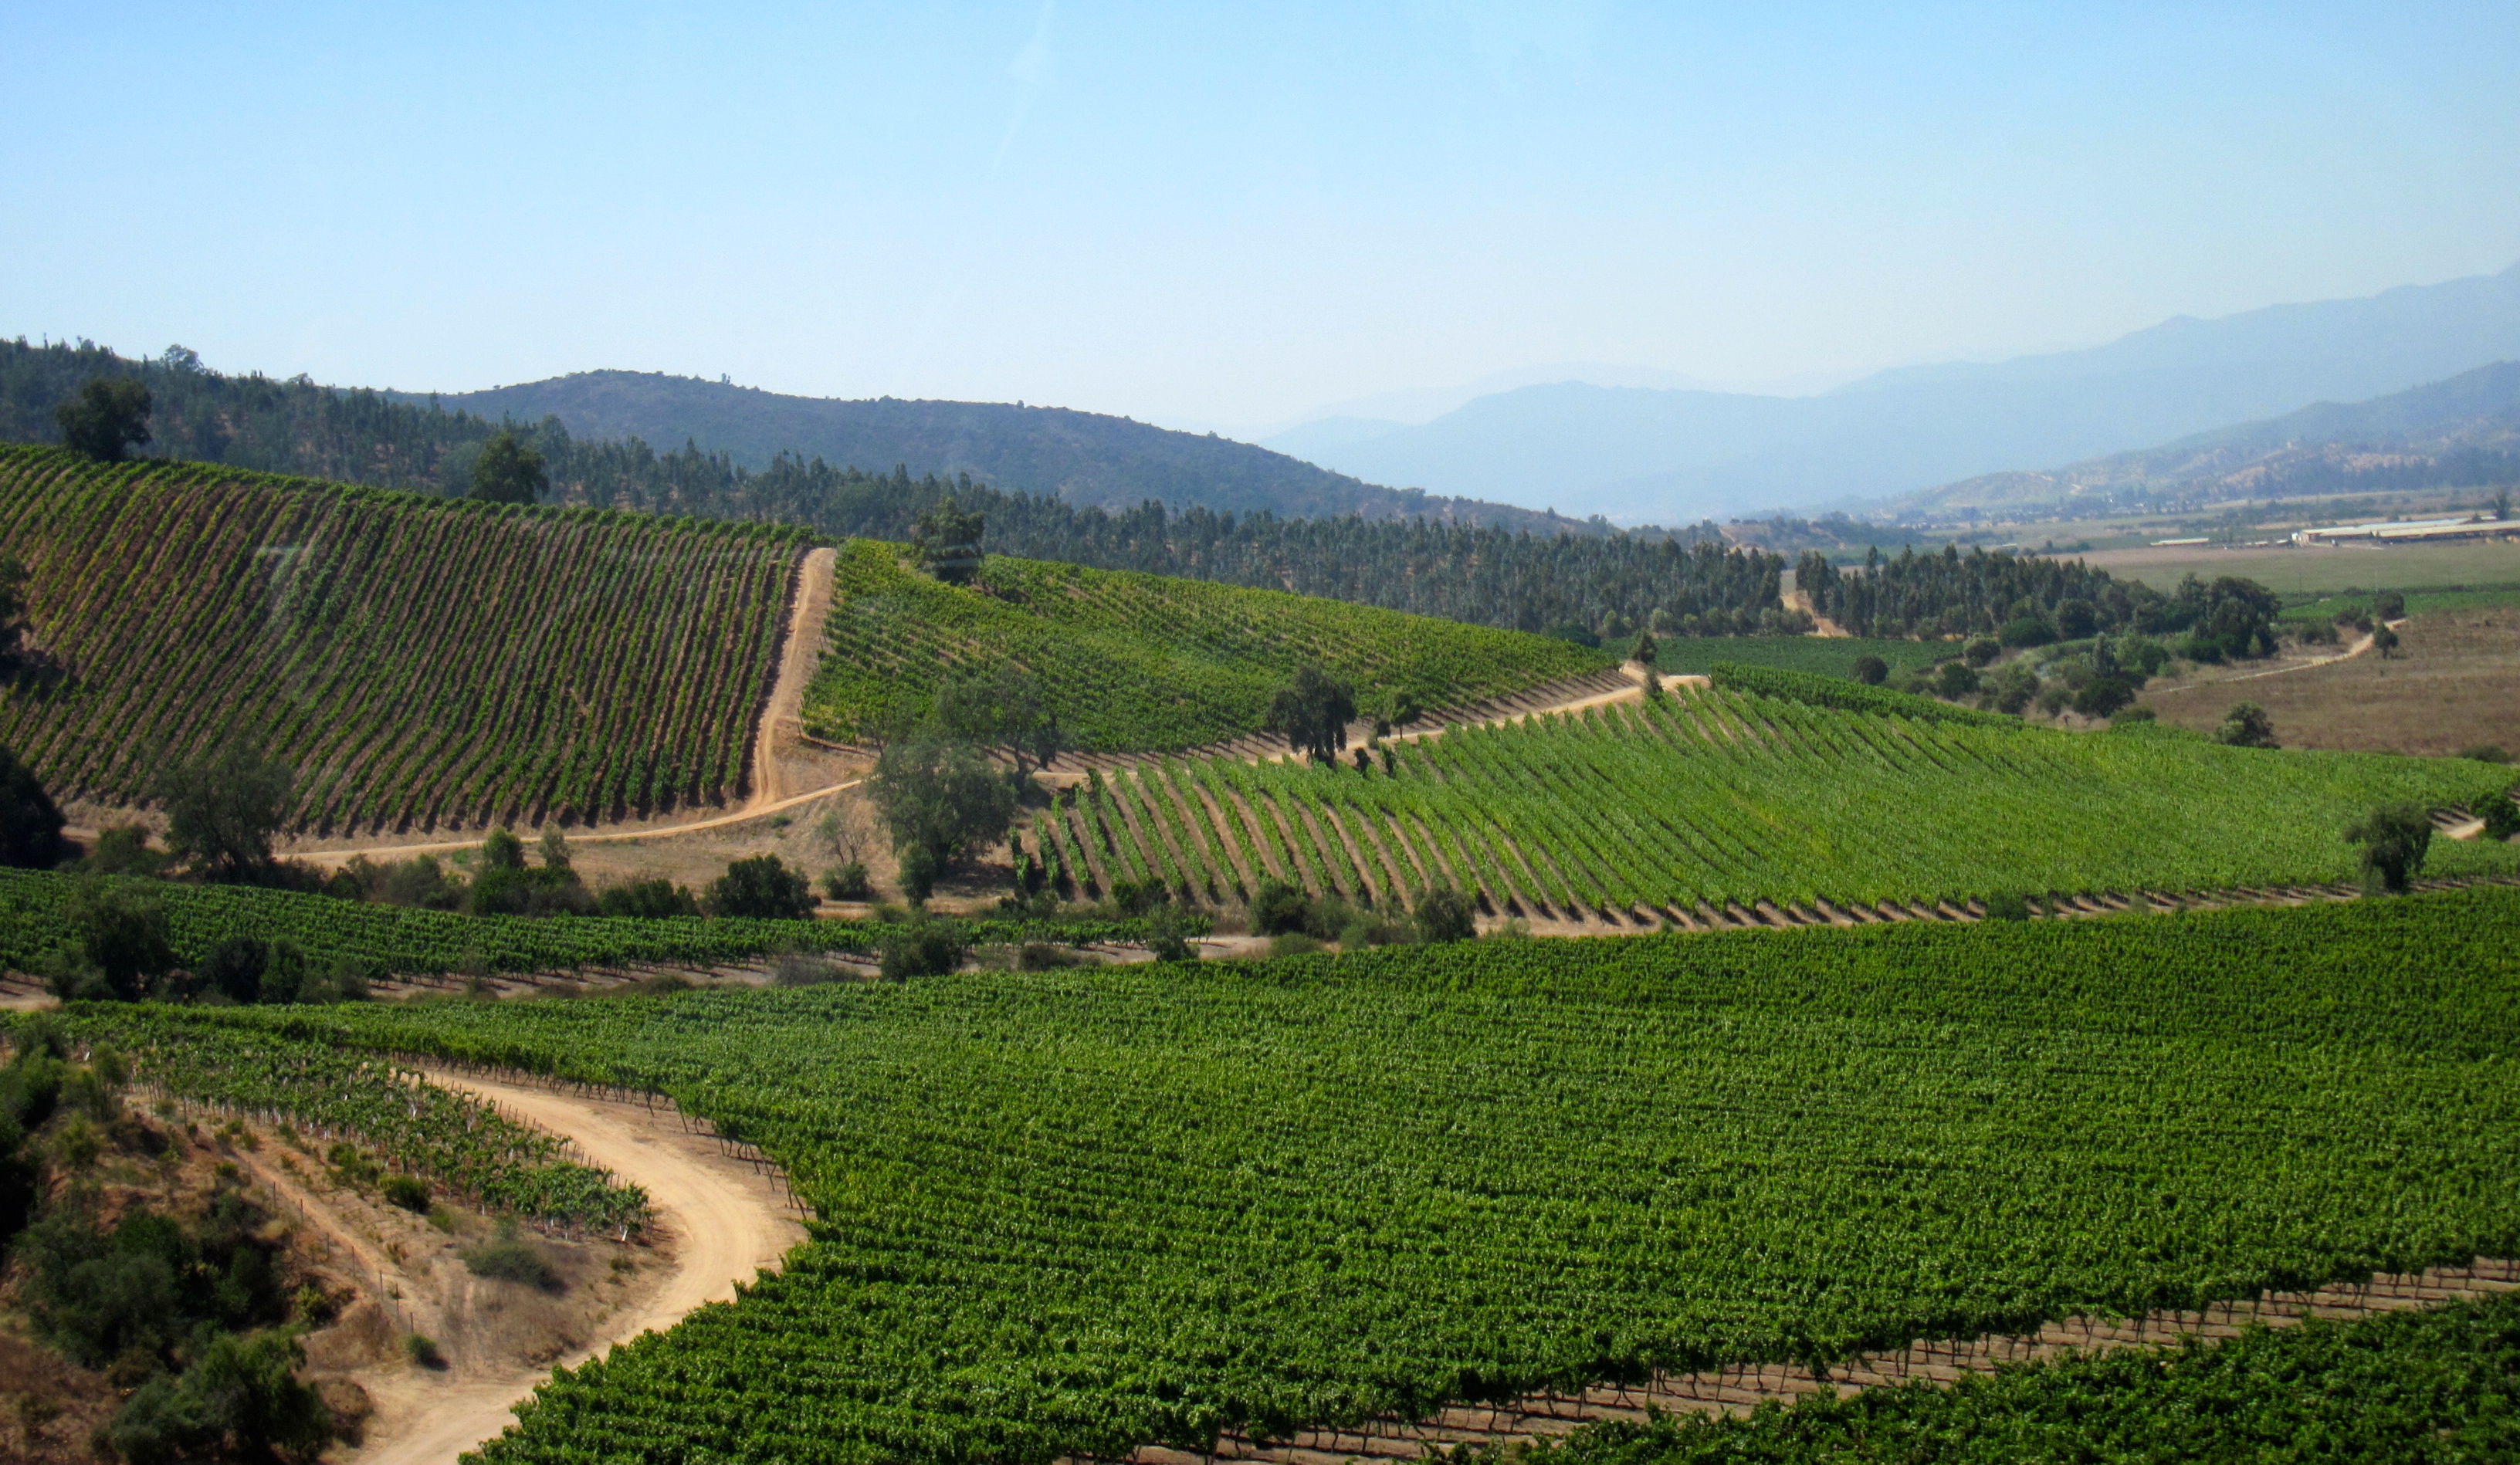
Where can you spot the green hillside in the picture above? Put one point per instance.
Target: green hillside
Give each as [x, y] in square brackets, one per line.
[1072, 1213]
[1712, 796]
[421, 662]
[1139, 661]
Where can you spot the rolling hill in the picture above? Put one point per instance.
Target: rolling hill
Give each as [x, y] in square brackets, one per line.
[1637, 453]
[2460, 432]
[1083, 457]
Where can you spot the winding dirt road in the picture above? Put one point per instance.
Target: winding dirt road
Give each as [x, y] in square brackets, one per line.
[724, 1224]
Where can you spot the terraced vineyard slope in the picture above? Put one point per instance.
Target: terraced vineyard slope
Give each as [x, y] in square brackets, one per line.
[1140, 663]
[1082, 1212]
[422, 662]
[1648, 810]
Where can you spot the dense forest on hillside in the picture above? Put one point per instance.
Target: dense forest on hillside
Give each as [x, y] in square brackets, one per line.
[2030, 599]
[1480, 575]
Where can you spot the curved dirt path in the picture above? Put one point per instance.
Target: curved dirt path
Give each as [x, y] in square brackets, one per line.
[723, 1221]
[2348, 653]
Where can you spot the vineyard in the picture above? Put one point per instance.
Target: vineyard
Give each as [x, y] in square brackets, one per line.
[1660, 809]
[1821, 655]
[382, 940]
[453, 1140]
[1079, 1212]
[422, 663]
[1139, 661]
[2438, 1385]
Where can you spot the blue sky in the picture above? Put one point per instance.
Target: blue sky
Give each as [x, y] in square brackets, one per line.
[1220, 215]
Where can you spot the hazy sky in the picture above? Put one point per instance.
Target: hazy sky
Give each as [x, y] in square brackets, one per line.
[1211, 215]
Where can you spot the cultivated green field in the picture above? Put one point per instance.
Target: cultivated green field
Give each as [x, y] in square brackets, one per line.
[1071, 1213]
[1825, 655]
[421, 662]
[1139, 661]
[1711, 796]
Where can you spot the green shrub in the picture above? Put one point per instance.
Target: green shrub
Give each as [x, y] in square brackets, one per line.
[510, 1258]
[407, 1192]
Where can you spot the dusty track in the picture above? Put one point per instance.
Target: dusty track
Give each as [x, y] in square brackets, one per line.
[723, 1221]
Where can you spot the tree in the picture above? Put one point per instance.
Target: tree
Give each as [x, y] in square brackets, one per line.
[30, 823]
[2103, 696]
[947, 538]
[1312, 713]
[1644, 651]
[508, 471]
[223, 811]
[121, 938]
[762, 887]
[2384, 640]
[1955, 681]
[2393, 839]
[1444, 913]
[941, 801]
[107, 419]
[1002, 709]
[2247, 725]
[234, 969]
[1871, 669]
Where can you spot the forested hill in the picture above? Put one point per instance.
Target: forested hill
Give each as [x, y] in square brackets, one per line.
[1082, 458]
[1492, 576]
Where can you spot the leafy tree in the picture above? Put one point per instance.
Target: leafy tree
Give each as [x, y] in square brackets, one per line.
[1278, 908]
[2027, 631]
[947, 538]
[941, 801]
[2103, 696]
[2247, 725]
[921, 949]
[1002, 709]
[1444, 913]
[503, 850]
[507, 471]
[1312, 713]
[648, 900]
[1644, 651]
[2502, 815]
[223, 811]
[2389, 605]
[242, 1401]
[1955, 681]
[1871, 669]
[234, 969]
[1982, 650]
[108, 417]
[762, 887]
[30, 823]
[2394, 840]
[122, 941]
[849, 882]
[2384, 640]
[1165, 938]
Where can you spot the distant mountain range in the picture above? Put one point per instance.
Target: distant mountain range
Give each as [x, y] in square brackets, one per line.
[2463, 432]
[1639, 454]
[1084, 458]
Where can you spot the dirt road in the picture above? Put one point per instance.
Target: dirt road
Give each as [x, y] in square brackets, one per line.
[723, 1222]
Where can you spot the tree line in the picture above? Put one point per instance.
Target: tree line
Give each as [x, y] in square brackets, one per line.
[1604, 584]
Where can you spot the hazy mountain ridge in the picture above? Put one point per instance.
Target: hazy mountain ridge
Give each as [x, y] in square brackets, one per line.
[1674, 455]
[1084, 458]
[2462, 431]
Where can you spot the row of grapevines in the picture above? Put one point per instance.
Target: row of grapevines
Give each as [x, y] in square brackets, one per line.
[421, 662]
[1073, 1213]
[1139, 661]
[285, 1072]
[2438, 1384]
[1706, 797]
[390, 941]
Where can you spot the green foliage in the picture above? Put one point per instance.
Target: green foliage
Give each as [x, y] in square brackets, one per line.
[947, 542]
[30, 823]
[223, 809]
[848, 882]
[2004, 904]
[1830, 692]
[761, 888]
[1007, 708]
[507, 471]
[1129, 662]
[2441, 1384]
[943, 802]
[1312, 712]
[1705, 798]
[406, 654]
[510, 1258]
[1496, 1166]
[328, 938]
[107, 418]
[2393, 839]
[121, 937]
[1871, 669]
[242, 1401]
[1444, 913]
[648, 900]
[923, 948]
[2247, 726]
